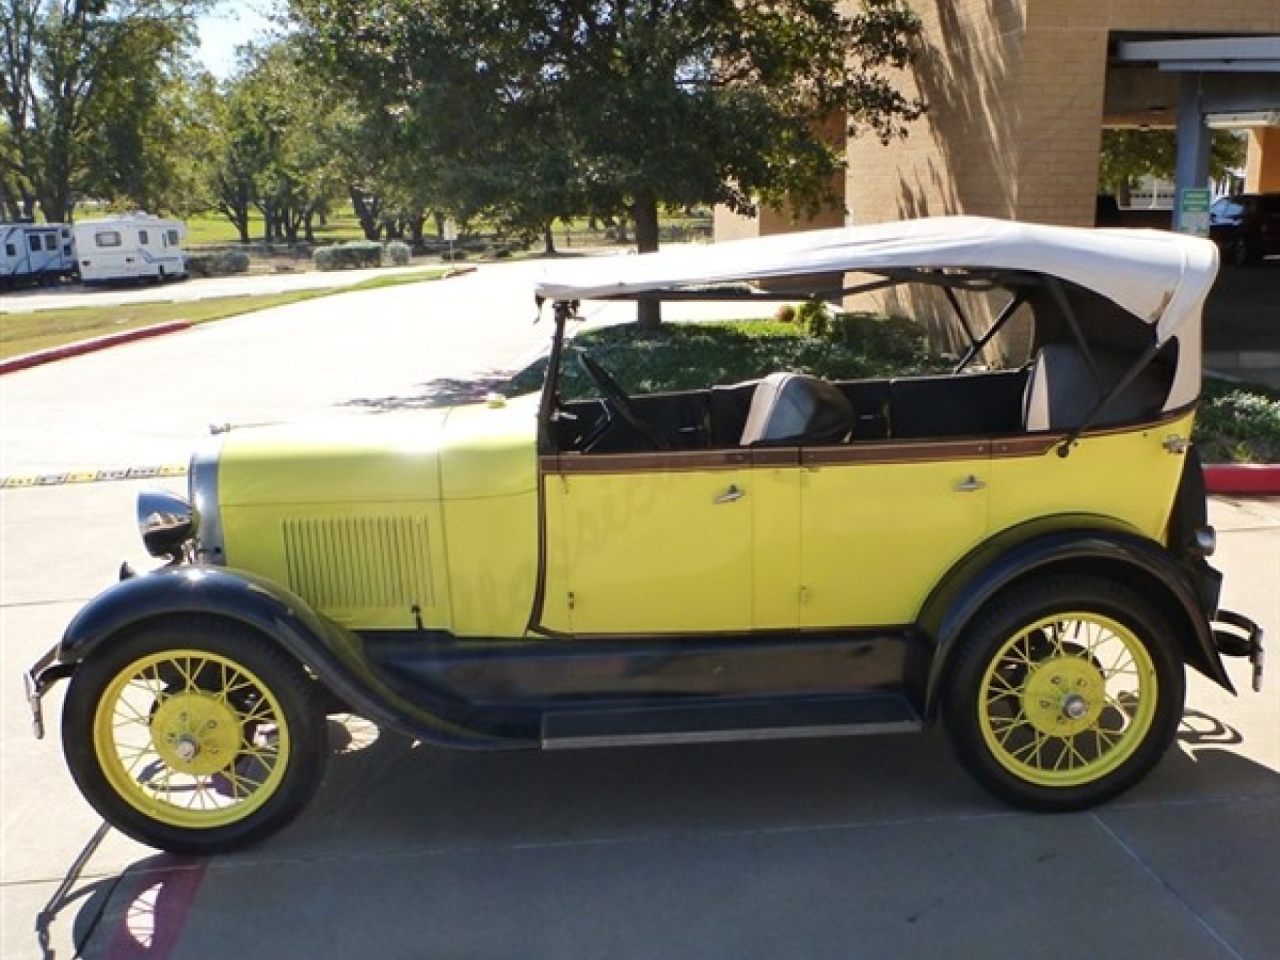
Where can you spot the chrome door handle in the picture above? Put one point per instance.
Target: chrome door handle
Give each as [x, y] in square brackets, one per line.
[970, 484]
[734, 492]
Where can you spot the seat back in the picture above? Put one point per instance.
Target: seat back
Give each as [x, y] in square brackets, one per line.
[793, 408]
[1063, 388]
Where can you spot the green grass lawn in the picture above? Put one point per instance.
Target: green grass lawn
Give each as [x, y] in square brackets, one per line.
[22, 333]
[213, 229]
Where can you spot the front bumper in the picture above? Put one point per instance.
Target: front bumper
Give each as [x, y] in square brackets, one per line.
[1236, 635]
[36, 682]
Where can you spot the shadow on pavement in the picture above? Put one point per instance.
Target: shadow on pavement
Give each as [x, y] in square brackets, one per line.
[445, 392]
[396, 819]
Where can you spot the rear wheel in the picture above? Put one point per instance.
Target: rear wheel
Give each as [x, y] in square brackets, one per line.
[1064, 693]
[194, 736]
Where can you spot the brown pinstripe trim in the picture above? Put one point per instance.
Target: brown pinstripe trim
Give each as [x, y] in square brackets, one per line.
[666, 461]
[900, 451]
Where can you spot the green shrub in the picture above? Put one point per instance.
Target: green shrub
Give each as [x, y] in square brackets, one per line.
[348, 256]
[815, 317]
[1238, 423]
[398, 254]
[217, 263]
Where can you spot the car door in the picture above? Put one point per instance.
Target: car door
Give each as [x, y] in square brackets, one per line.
[882, 523]
[669, 543]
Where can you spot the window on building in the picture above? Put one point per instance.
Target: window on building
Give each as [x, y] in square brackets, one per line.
[10, 250]
[172, 237]
[107, 238]
[51, 241]
[33, 242]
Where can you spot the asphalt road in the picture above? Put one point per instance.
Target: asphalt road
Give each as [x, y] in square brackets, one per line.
[875, 847]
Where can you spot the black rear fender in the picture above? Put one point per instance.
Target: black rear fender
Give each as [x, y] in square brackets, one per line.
[1065, 546]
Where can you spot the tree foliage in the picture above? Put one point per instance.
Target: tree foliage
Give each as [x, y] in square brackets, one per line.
[537, 109]
[84, 89]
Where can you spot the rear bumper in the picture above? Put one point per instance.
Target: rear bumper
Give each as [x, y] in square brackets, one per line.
[1237, 636]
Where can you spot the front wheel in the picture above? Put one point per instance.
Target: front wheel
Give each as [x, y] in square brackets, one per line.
[1064, 693]
[194, 736]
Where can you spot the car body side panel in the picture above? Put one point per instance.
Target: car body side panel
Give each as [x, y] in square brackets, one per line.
[879, 533]
[368, 566]
[629, 556]
[351, 516]
[493, 564]
[1128, 475]
[775, 494]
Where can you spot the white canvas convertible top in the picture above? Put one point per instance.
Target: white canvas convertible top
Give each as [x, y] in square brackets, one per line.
[1162, 278]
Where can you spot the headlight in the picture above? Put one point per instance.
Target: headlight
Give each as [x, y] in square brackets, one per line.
[166, 521]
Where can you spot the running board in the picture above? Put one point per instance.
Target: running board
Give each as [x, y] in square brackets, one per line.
[722, 723]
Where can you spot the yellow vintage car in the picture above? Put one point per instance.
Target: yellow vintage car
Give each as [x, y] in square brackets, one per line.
[1017, 552]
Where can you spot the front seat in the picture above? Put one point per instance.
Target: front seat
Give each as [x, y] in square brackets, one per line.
[793, 408]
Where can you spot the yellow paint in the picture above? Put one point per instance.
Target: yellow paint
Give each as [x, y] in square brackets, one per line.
[350, 461]
[775, 512]
[651, 552]
[492, 547]
[349, 515]
[1127, 476]
[879, 536]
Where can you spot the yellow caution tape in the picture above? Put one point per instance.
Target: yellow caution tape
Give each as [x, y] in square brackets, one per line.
[91, 476]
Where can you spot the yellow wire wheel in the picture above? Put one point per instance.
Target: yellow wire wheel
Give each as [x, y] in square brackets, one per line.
[1064, 693]
[194, 736]
[191, 739]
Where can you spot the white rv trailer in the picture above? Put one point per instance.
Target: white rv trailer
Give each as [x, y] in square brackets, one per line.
[35, 253]
[132, 247]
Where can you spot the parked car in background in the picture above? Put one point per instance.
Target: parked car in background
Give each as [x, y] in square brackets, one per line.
[1246, 227]
[1019, 554]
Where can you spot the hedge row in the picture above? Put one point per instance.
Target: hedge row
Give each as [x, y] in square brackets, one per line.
[361, 253]
[217, 263]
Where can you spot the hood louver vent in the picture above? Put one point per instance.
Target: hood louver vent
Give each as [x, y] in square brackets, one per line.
[358, 564]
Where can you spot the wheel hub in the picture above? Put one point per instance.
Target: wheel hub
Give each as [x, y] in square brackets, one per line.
[1064, 695]
[196, 733]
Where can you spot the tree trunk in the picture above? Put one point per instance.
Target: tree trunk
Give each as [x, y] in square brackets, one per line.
[367, 210]
[548, 240]
[648, 312]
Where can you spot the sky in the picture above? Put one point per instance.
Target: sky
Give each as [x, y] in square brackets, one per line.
[230, 24]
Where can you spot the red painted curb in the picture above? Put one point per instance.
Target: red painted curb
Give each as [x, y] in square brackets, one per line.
[26, 360]
[1243, 479]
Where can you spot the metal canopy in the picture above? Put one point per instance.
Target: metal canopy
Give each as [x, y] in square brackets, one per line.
[1206, 55]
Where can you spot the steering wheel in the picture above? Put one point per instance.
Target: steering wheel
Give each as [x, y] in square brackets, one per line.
[617, 402]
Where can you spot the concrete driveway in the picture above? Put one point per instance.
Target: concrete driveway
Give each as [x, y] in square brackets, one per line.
[876, 848]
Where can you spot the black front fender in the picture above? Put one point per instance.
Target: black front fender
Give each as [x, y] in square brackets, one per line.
[334, 654]
[1065, 545]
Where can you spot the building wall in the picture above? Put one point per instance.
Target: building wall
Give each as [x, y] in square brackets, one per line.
[1016, 92]
[1262, 171]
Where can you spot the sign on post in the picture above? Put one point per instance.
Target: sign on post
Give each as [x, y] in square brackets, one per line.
[1193, 211]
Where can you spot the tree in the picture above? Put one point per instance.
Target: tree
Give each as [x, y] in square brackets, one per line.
[277, 145]
[542, 108]
[79, 81]
[1129, 154]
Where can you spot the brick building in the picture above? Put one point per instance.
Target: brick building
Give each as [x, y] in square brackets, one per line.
[1020, 90]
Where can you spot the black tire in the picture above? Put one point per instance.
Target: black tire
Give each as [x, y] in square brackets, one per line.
[1242, 253]
[1064, 693]
[194, 735]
